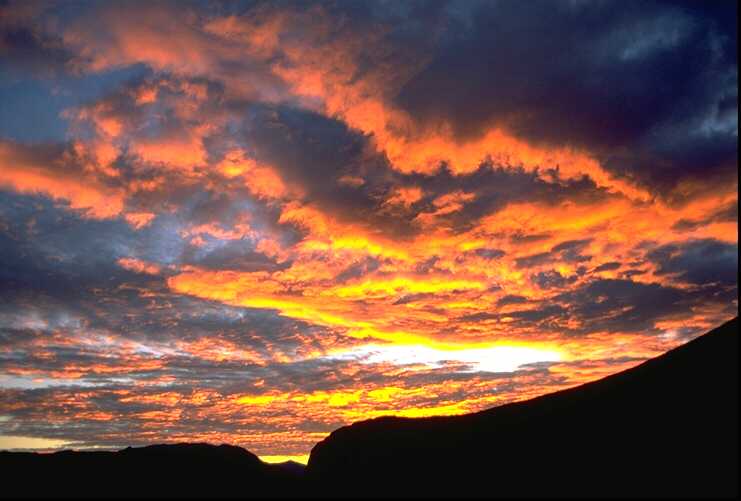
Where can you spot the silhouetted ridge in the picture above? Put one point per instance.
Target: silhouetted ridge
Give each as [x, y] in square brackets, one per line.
[177, 471]
[667, 427]
[292, 466]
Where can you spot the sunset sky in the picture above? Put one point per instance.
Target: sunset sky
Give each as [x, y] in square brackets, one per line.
[252, 223]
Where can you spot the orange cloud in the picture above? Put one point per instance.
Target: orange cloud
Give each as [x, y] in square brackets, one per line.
[139, 266]
[405, 196]
[139, 219]
[262, 180]
[29, 173]
[181, 153]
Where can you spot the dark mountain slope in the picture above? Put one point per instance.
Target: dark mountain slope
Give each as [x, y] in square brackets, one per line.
[177, 471]
[668, 427]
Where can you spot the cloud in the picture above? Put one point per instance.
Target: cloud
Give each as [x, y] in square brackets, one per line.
[60, 172]
[729, 213]
[24, 43]
[660, 84]
[622, 305]
[698, 262]
[607, 267]
[550, 279]
[568, 251]
[511, 299]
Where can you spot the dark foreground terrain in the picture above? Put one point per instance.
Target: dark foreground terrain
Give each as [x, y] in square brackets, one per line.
[181, 470]
[668, 428]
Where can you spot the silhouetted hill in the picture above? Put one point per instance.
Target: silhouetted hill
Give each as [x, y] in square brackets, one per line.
[177, 471]
[668, 427]
[291, 466]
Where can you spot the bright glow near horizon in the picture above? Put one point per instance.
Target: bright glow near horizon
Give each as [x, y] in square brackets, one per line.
[499, 358]
[13, 442]
[302, 459]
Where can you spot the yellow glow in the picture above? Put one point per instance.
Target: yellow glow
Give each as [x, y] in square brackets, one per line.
[10, 442]
[302, 458]
[256, 400]
[400, 284]
[496, 358]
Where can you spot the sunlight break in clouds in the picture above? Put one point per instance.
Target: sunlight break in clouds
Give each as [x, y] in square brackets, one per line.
[253, 223]
[492, 359]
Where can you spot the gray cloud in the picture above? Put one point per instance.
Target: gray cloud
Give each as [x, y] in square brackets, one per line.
[698, 262]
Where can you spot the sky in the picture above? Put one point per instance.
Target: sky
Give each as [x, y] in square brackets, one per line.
[255, 222]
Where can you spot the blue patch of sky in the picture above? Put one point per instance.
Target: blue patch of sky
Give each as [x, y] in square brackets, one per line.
[31, 110]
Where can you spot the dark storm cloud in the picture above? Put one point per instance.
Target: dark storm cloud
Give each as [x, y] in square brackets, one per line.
[511, 299]
[235, 255]
[623, 305]
[613, 265]
[650, 87]
[58, 159]
[698, 262]
[356, 270]
[534, 260]
[632, 273]
[315, 152]
[544, 316]
[616, 305]
[544, 312]
[489, 253]
[494, 187]
[569, 251]
[411, 298]
[25, 45]
[552, 279]
[520, 238]
[571, 245]
[41, 251]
